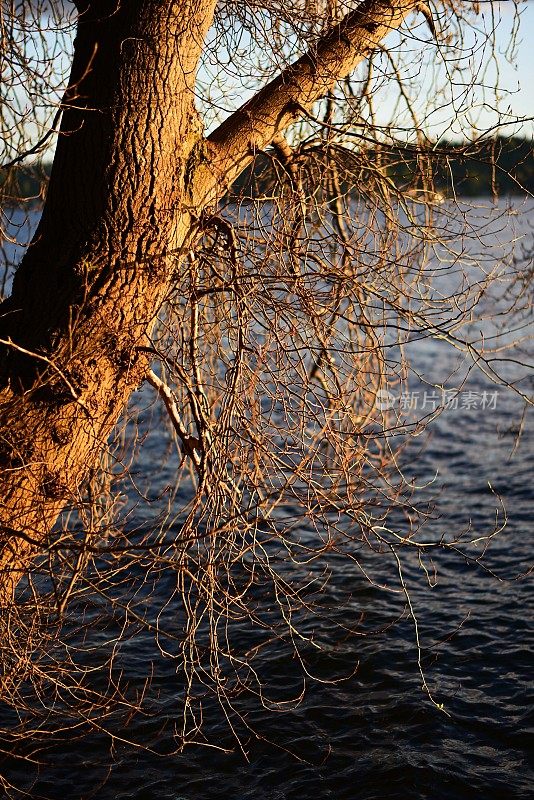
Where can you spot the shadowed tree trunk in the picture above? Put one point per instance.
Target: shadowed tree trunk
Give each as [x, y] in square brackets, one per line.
[131, 176]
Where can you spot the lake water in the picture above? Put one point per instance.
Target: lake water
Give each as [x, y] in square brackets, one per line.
[375, 735]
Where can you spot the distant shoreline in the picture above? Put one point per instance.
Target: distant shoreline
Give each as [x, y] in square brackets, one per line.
[499, 166]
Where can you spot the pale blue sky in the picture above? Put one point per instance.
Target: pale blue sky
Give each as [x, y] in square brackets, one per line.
[515, 81]
[522, 73]
[467, 110]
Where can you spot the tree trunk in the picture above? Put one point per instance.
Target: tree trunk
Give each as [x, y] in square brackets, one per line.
[131, 175]
[118, 207]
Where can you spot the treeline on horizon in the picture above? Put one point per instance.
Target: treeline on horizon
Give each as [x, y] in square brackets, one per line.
[500, 166]
[497, 166]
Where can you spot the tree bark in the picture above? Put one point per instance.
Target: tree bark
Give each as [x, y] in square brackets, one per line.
[131, 175]
[118, 204]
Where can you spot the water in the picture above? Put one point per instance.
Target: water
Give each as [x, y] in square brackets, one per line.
[375, 735]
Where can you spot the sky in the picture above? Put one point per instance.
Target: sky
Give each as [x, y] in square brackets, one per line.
[516, 79]
[522, 72]
[512, 71]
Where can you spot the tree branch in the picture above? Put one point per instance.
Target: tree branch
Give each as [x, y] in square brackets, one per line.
[253, 126]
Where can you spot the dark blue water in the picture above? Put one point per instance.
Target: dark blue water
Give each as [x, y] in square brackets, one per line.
[364, 727]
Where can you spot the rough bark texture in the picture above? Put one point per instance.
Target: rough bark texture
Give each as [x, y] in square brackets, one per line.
[131, 174]
[90, 285]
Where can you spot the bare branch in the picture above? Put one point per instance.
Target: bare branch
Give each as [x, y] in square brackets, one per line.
[252, 127]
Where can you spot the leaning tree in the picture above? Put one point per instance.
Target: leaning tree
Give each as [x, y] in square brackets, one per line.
[247, 272]
[133, 180]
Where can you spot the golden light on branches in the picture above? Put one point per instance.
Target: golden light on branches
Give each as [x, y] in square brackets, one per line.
[256, 458]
